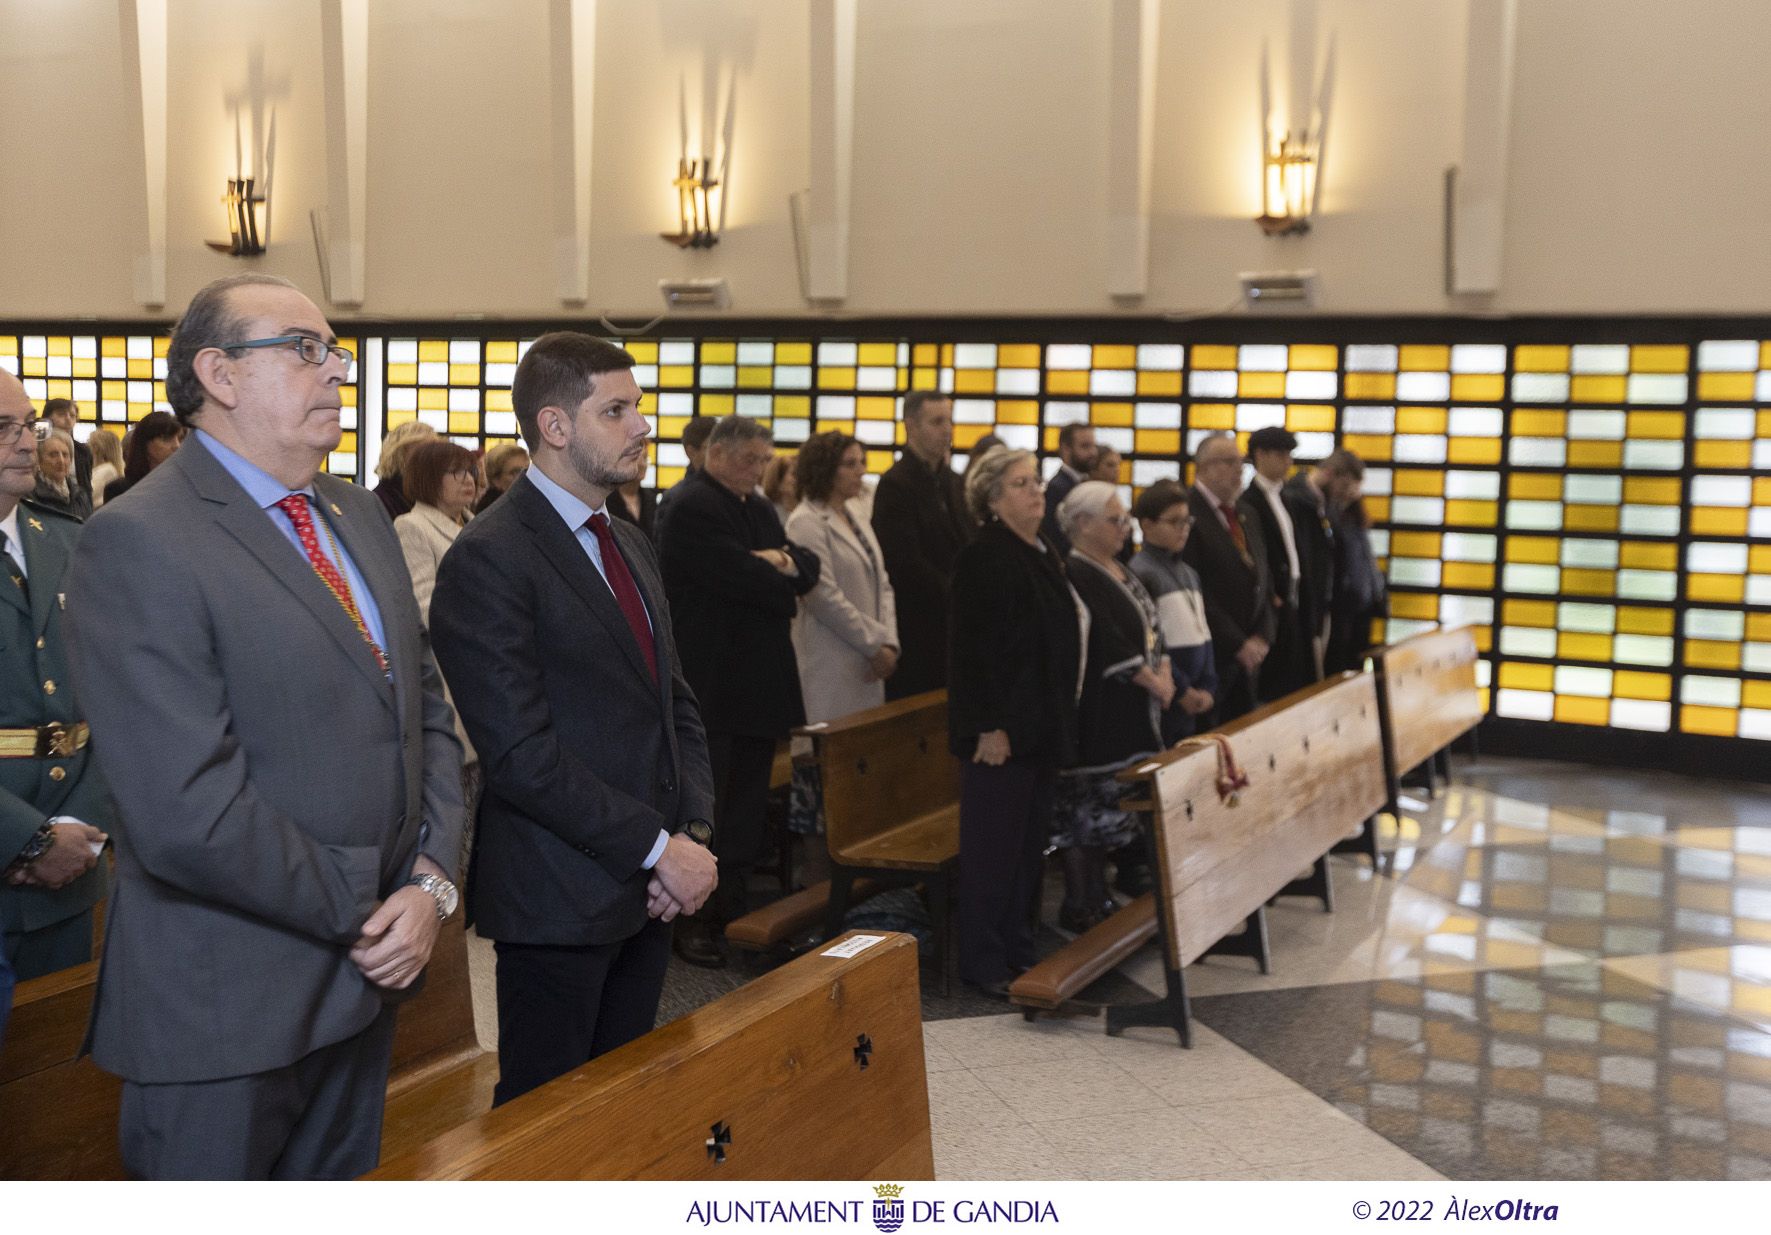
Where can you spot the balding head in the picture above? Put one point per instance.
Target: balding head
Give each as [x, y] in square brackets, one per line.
[1217, 465]
[18, 457]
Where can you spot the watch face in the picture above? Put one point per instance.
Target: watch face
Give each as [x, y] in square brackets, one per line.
[700, 831]
[451, 898]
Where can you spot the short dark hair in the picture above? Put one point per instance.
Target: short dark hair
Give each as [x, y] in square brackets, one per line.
[1158, 500]
[1273, 437]
[1344, 463]
[1067, 434]
[818, 462]
[208, 321]
[730, 430]
[916, 400]
[150, 428]
[425, 466]
[698, 430]
[55, 405]
[559, 370]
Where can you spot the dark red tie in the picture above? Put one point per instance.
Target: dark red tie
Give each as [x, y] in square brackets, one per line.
[1235, 527]
[296, 507]
[627, 594]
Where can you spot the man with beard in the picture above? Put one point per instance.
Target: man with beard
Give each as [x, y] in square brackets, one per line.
[550, 623]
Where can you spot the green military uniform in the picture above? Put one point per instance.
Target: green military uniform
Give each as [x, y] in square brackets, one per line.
[44, 930]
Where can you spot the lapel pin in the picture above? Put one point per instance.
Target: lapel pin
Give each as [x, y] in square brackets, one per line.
[61, 599]
[335, 510]
[35, 525]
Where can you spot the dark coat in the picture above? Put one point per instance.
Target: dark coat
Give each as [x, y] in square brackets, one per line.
[921, 523]
[586, 755]
[391, 492]
[648, 516]
[1238, 596]
[733, 611]
[1290, 663]
[1315, 543]
[1117, 719]
[1056, 490]
[1016, 649]
[83, 468]
[78, 503]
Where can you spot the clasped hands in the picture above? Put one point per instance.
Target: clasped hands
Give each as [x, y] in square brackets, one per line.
[684, 876]
[398, 937]
[74, 851]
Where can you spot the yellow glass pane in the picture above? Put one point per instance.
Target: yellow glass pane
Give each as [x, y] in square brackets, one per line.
[974, 381]
[793, 405]
[1528, 423]
[1314, 357]
[1115, 356]
[1632, 684]
[1538, 613]
[1717, 387]
[1377, 507]
[719, 351]
[1535, 486]
[84, 366]
[1420, 420]
[1571, 710]
[141, 370]
[1659, 358]
[464, 422]
[1579, 518]
[1595, 454]
[1484, 644]
[1540, 358]
[1371, 386]
[1465, 512]
[402, 375]
[1373, 448]
[397, 418]
[1478, 387]
[1755, 694]
[920, 354]
[1589, 582]
[1309, 418]
[464, 375]
[1656, 424]
[1711, 654]
[110, 345]
[1635, 620]
[878, 461]
[1473, 450]
[1651, 490]
[1421, 606]
[1468, 576]
[1598, 387]
[1214, 356]
[1016, 356]
[1732, 455]
[431, 351]
[670, 428]
[876, 407]
[1417, 482]
[1574, 645]
[61, 345]
[1261, 386]
[433, 398]
[676, 375]
[1158, 383]
[715, 404]
[112, 390]
[498, 401]
[1424, 358]
[1066, 381]
[1214, 416]
[799, 353]
[966, 436]
[1158, 441]
[836, 379]
[1113, 415]
[756, 377]
[1017, 412]
[1415, 544]
[925, 379]
[1717, 721]
[1647, 555]
[1540, 550]
[878, 353]
[1718, 521]
[504, 351]
[1516, 676]
[1728, 589]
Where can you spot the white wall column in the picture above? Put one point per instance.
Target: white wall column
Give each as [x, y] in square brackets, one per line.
[572, 35]
[1131, 143]
[144, 70]
[344, 26]
[1480, 188]
[833, 32]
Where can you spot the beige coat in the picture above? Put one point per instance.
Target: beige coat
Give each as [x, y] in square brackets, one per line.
[846, 618]
[425, 535]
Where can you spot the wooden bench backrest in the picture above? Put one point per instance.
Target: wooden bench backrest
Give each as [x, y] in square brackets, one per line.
[1429, 692]
[774, 1065]
[60, 1111]
[1314, 762]
[884, 767]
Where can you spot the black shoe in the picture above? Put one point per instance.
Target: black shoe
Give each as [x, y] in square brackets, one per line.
[992, 990]
[1076, 921]
[697, 946]
[1134, 880]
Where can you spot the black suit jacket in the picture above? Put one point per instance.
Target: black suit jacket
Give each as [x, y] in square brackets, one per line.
[1055, 492]
[921, 522]
[586, 756]
[1238, 595]
[1315, 542]
[734, 611]
[648, 516]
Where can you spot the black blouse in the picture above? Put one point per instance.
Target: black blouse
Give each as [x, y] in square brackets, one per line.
[1015, 649]
[1117, 719]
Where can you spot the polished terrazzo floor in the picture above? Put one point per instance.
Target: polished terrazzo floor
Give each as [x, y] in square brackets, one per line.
[1558, 973]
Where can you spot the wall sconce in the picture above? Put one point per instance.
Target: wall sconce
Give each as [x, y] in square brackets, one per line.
[245, 203]
[701, 184]
[1292, 158]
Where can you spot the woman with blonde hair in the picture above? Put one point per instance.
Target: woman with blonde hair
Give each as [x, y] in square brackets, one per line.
[107, 462]
[394, 446]
[56, 486]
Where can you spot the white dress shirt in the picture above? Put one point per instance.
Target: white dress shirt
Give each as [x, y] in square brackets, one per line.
[1270, 489]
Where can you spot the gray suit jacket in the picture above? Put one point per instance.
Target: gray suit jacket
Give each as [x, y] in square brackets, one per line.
[270, 782]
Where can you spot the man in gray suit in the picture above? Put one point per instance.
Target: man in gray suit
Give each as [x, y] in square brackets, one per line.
[267, 712]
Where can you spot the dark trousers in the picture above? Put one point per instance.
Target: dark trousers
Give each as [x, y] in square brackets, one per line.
[1005, 818]
[318, 1118]
[1349, 638]
[50, 949]
[560, 1007]
[1290, 664]
[741, 767]
[1235, 691]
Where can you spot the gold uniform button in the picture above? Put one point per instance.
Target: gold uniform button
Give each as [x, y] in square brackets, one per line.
[41, 643]
[58, 773]
[49, 687]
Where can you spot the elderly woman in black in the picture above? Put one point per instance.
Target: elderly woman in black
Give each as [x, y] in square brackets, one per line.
[1126, 688]
[1016, 652]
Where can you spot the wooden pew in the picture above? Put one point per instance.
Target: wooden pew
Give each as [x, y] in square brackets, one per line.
[60, 1110]
[891, 814]
[780, 925]
[1427, 699]
[1315, 770]
[813, 1071]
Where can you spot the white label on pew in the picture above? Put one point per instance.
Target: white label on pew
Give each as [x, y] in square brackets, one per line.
[853, 947]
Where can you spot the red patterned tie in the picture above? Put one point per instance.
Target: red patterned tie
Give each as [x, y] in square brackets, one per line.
[1235, 527]
[296, 507]
[627, 594]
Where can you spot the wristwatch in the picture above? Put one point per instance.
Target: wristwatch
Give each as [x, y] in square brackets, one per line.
[41, 842]
[441, 890]
[700, 831]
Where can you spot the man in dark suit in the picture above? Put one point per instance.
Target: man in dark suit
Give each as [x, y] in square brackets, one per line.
[551, 626]
[1307, 497]
[63, 414]
[921, 522]
[52, 800]
[734, 583]
[694, 443]
[264, 707]
[1291, 663]
[1077, 454]
[1227, 550]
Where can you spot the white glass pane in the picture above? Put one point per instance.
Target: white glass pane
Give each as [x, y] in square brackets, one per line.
[1721, 491]
[1252, 416]
[876, 378]
[1017, 381]
[1645, 714]
[1711, 692]
[1146, 472]
[464, 399]
[794, 430]
[1069, 356]
[875, 432]
[1371, 358]
[1540, 387]
[1314, 446]
[1715, 624]
[1212, 384]
[1647, 584]
[1756, 657]
[719, 376]
[836, 407]
[1586, 619]
[1755, 723]
[1589, 554]
[682, 351]
[1310, 385]
[1527, 641]
[1479, 358]
[1468, 547]
[1539, 452]
[1113, 382]
[1475, 486]
[756, 352]
[1166, 356]
[1425, 510]
[1019, 437]
[1710, 557]
[464, 351]
[1658, 387]
[1415, 448]
[1593, 490]
[501, 424]
[1424, 387]
[1650, 520]
[757, 406]
[433, 373]
[1475, 422]
[974, 412]
[1724, 423]
[1065, 412]
[1534, 516]
[1654, 651]
[1603, 426]
[793, 377]
[1455, 610]
[1525, 704]
[1654, 455]
[1583, 680]
[1263, 357]
[676, 403]
[1601, 358]
[1378, 481]
[1728, 355]
[1157, 416]
[974, 355]
[1531, 577]
[1381, 420]
[1414, 572]
[399, 351]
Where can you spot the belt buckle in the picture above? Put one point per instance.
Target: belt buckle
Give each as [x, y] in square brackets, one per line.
[55, 741]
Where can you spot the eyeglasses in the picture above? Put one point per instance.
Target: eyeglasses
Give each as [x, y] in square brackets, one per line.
[1121, 520]
[307, 347]
[11, 429]
[1176, 521]
[1024, 482]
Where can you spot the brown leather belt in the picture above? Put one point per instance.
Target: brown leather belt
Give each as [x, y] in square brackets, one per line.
[52, 741]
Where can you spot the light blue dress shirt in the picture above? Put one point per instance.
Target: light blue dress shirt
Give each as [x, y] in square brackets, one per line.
[267, 491]
[577, 515]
